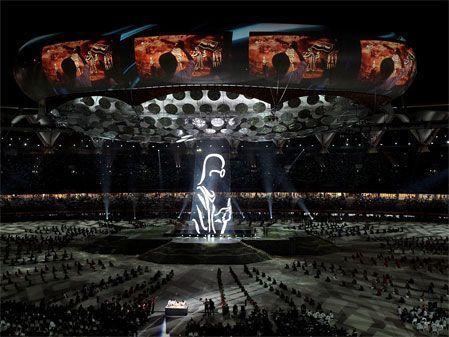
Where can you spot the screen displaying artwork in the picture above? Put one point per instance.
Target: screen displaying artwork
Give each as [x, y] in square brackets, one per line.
[386, 64]
[77, 64]
[291, 57]
[178, 58]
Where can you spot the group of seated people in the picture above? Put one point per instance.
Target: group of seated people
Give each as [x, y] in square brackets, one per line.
[114, 318]
[91, 289]
[248, 298]
[120, 315]
[44, 239]
[426, 318]
[431, 245]
[259, 322]
[223, 303]
[46, 247]
[332, 229]
[44, 254]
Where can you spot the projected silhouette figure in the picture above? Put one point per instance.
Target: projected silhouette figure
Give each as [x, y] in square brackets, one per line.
[207, 214]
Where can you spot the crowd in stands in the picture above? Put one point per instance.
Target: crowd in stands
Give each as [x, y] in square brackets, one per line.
[127, 205]
[71, 169]
[355, 202]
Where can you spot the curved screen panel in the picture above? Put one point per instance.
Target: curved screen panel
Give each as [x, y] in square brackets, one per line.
[386, 66]
[60, 64]
[77, 65]
[178, 58]
[291, 57]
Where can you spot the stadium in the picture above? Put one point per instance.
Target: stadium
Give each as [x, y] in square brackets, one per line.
[212, 169]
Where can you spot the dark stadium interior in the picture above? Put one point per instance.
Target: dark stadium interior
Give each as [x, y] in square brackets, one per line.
[210, 168]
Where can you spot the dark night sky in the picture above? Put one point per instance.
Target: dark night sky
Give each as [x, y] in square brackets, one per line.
[424, 24]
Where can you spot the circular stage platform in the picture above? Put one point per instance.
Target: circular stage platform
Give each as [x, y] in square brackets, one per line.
[159, 246]
[195, 250]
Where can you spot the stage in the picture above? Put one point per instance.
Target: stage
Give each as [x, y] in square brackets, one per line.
[209, 250]
[157, 245]
[206, 240]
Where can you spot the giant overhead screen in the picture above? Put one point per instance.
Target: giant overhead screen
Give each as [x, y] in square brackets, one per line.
[303, 61]
[311, 62]
[179, 58]
[386, 65]
[77, 65]
[291, 57]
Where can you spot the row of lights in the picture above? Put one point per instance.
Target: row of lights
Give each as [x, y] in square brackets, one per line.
[25, 144]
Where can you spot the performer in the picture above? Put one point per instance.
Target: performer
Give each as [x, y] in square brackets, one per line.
[388, 76]
[216, 57]
[204, 57]
[92, 58]
[265, 68]
[169, 64]
[108, 61]
[331, 60]
[312, 57]
[281, 64]
[152, 67]
[69, 68]
[199, 58]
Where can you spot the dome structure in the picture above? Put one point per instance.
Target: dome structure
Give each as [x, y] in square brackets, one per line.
[199, 114]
